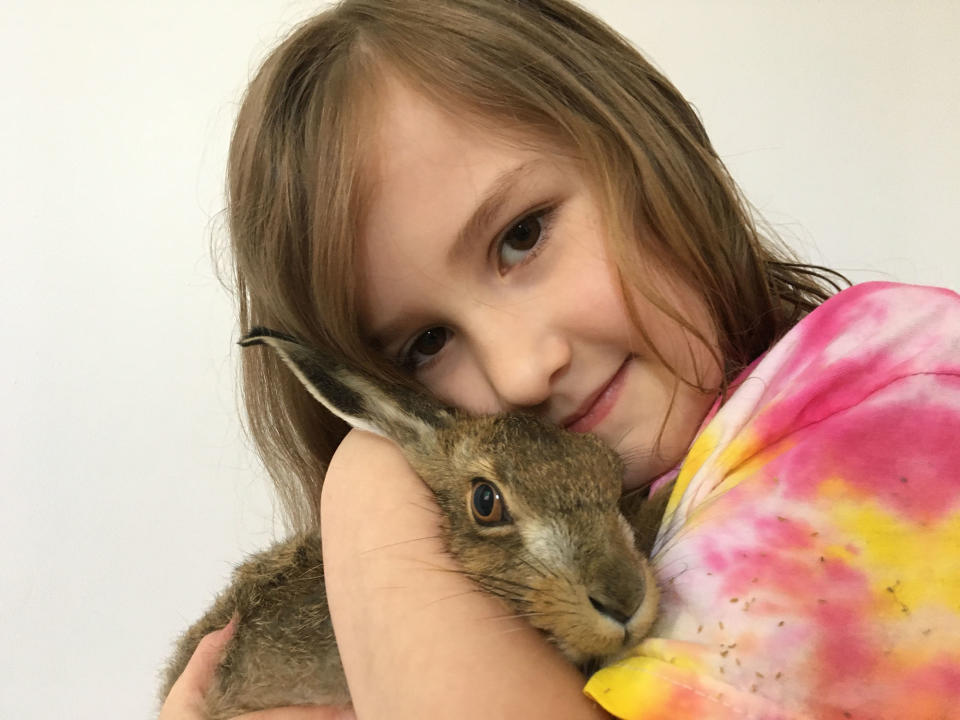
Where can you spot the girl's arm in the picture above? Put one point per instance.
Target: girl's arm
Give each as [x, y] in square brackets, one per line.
[418, 639]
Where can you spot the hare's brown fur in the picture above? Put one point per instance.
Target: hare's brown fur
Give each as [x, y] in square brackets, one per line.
[283, 651]
[567, 559]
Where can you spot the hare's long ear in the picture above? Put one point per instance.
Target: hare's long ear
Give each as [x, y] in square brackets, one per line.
[395, 412]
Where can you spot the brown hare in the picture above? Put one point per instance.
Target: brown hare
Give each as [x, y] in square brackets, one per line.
[531, 512]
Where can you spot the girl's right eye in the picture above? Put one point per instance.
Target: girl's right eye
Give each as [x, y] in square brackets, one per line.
[424, 347]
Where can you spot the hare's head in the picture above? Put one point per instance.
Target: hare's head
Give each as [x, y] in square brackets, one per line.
[532, 510]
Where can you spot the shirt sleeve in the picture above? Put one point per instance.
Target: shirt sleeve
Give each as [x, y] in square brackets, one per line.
[809, 559]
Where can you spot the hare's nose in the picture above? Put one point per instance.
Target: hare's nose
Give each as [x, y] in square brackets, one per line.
[617, 610]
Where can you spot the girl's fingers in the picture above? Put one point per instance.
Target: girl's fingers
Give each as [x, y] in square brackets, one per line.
[186, 696]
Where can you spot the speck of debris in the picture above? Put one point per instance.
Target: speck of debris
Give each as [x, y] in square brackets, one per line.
[903, 480]
[723, 653]
[780, 624]
[781, 518]
[777, 676]
[734, 599]
[753, 688]
[760, 675]
[700, 629]
[822, 559]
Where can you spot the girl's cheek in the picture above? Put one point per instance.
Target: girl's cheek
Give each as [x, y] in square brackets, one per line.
[461, 384]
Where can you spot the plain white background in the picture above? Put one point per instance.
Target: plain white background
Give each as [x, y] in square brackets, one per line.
[128, 489]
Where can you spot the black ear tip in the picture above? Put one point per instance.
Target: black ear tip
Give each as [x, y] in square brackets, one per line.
[256, 335]
[250, 340]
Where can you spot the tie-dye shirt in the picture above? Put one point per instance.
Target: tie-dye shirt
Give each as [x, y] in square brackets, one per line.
[809, 559]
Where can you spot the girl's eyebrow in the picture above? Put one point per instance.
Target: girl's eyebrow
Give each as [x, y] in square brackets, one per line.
[497, 193]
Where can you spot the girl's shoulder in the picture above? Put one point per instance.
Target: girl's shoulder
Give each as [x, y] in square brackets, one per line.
[870, 306]
[868, 334]
[888, 306]
[872, 358]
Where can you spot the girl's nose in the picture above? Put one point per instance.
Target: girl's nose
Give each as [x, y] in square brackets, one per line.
[522, 358]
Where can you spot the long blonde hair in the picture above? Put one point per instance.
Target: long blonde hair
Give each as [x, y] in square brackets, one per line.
[544, 68]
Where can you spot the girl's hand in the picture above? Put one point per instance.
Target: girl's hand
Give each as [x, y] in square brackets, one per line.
[185, 701]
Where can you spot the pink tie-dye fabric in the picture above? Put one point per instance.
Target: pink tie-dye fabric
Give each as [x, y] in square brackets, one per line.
[810, 556]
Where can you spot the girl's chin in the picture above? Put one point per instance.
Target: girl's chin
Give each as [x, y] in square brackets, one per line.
[635, 475]
[634, 480]
[643, 472]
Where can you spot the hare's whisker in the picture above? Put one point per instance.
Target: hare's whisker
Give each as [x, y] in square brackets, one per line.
[543, 570]
[496, 578]
[400, 542]
[432, 509]
[512, 616]
[462, 593]
[508, 630]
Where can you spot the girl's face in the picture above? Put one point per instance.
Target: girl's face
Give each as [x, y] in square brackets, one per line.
[486, 273]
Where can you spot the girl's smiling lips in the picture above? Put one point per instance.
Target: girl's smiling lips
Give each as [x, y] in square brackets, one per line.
[596, 407]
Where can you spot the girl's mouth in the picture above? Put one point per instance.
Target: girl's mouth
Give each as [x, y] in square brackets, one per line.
[599, 404]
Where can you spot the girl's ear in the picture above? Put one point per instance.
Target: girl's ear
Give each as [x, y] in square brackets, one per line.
[396, 412]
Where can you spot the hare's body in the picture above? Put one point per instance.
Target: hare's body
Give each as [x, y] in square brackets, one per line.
[529, 511]
[283, 651]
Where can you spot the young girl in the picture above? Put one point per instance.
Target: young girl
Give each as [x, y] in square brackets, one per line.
[502, 203]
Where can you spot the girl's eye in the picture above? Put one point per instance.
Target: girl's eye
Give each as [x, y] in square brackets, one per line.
[522, 238]
[426, 344]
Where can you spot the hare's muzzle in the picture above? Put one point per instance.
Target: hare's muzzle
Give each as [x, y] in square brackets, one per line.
[601, 604]
[624, 600]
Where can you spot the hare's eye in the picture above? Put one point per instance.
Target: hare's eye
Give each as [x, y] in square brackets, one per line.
[487, 503]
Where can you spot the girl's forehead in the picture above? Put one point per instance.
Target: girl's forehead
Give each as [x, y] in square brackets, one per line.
[414, 130]
[411, 128]
[428, 166]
